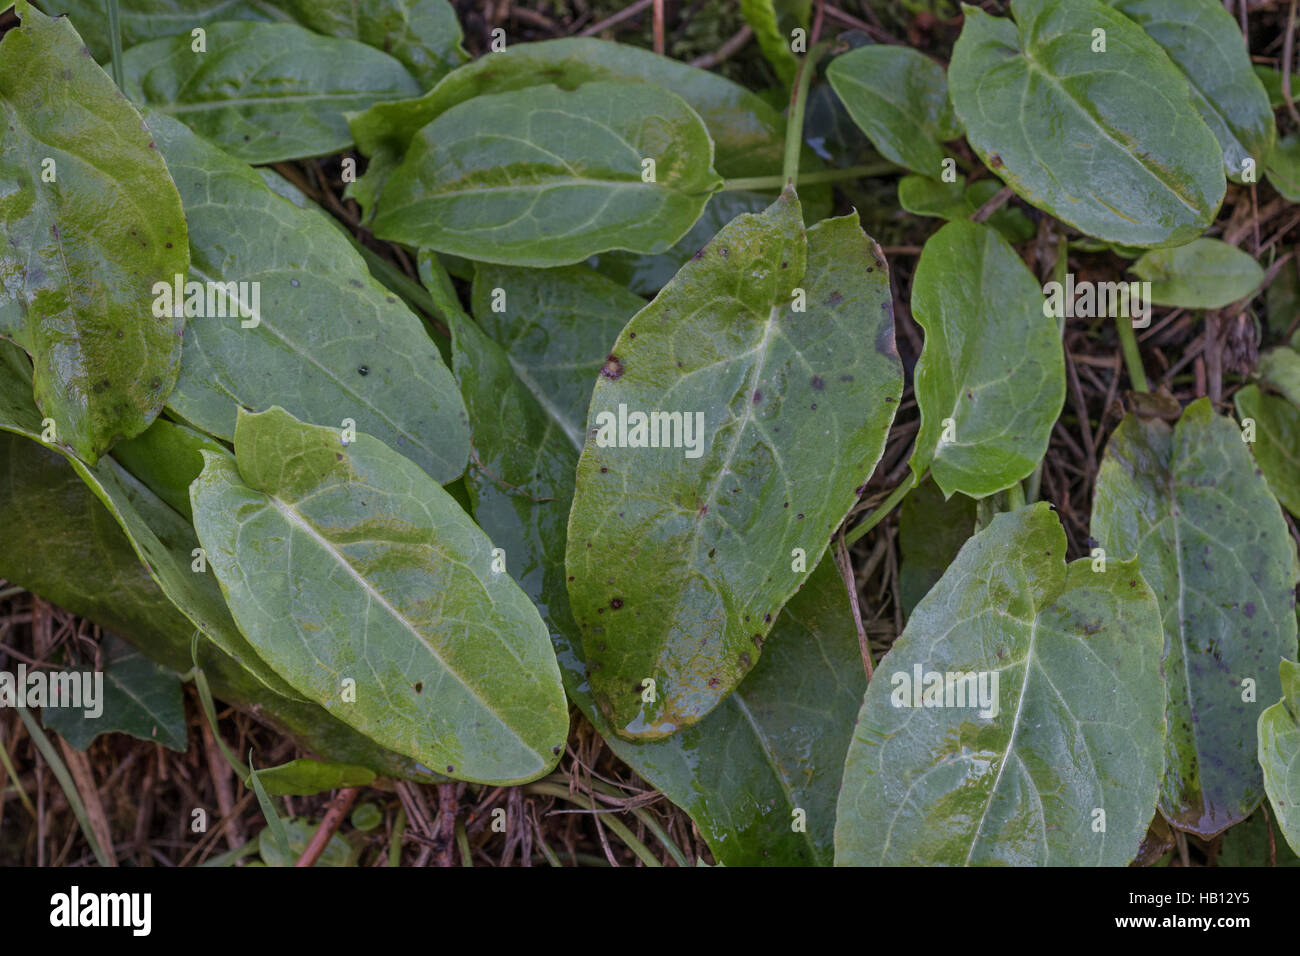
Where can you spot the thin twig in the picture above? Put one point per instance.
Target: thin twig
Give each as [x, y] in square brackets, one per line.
[329, 824]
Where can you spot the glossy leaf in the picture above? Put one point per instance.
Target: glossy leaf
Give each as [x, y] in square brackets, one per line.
[1071, 726]
[162, 539]
[82, 248]
[329, 341]
[1062, 126]
[777, 744]
[305, 778]
[991, 378]
[1204, 274]
[556, 327]
[568, 182]
[898, 97]
[63, 544]
[381, 578]
[1277, 441]
[264, 92]
[1279, 753]
[681, 557]
[748, 134]
[1204, 41]
[139, 698]
[1189, 505]
[931, 530]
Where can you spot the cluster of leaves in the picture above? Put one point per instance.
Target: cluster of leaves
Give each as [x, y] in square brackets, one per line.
[414, 543]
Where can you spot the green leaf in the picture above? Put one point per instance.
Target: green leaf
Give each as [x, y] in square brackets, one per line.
[161, 538]
[931, 530]
[1271, 79]
[298, 833]
[62, 543]
[990, 382]
[1277, 442]
[139, 698]
[1204, 274]
[779, 741]
[82, 250]
[568, 182]
[1062, 126]
[1279, 753]
[1280, 368]
[1254, 843]
[923, 196]
[381, 579]
[305, 777]
[748, 134]
[264, 92]
[1071, 726]
[761, 17]
[899, 98]
[329, 341]
[1284, 167]
[681, 557]
[556, 327]
[1188, 503]
[167, 457]
[1205, 43]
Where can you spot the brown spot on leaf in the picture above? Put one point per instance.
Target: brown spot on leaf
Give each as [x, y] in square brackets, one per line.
[613, 368]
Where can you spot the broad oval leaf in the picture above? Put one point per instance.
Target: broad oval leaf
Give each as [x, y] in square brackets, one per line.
[327, 341]
[1276, 441]
[775, 746]
[1062, 126]
[63, 544]
[747, 133]
[1017, 703]
[378, 576]
[898, 97]
[990, 381]
[1204, 274]
[546, 176]
[91, 221]
[264, 91]
[1279, 753]
[1205, 43]
[770, 363]
[1189, 505]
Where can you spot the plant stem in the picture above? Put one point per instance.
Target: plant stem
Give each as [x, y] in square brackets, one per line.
[810, 179]
[1015, 497]
[873, 519]
[794, 125]
[115, 42]
[1137, 375]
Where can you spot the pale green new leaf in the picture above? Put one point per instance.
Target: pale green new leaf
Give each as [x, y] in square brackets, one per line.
[899, 98]
[1279, 753]
[776, 351]
[1204, 274]
[347, 563]
[140, 698]
[264, 92]
[329, 341]
[775, 746]
[1021, 771]
[1276, 442]
[1204, 41]
[990, 382]
[90, 221]
[1063, 125]
[547, 176]
[761, 17]
[305, 777]
[1190, 506]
